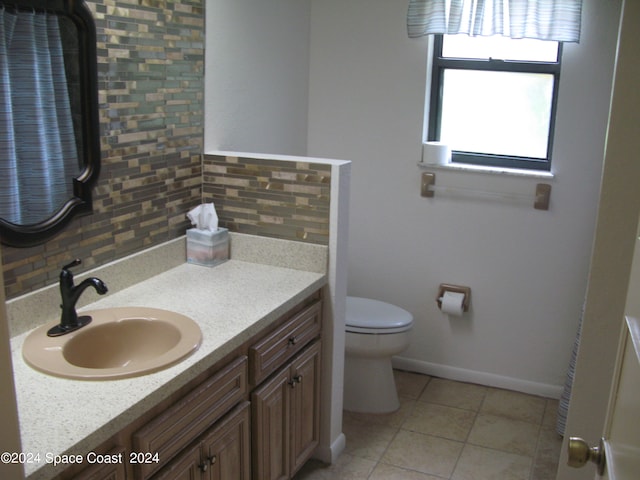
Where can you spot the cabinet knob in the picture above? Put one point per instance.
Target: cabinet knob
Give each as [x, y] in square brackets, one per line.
[292, 340]
[203, 467]
[212, 459]
[295, 380]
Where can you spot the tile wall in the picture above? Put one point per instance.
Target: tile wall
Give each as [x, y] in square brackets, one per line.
[150, 81]
[151, 89]
[281, 199]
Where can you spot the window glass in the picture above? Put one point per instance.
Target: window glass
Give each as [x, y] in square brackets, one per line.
[498, 113]
[493, 99]
[497, 47]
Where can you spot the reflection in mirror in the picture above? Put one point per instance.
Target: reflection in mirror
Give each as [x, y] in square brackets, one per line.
[49, 150]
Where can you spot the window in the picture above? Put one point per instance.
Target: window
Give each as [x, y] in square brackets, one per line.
[493, 99]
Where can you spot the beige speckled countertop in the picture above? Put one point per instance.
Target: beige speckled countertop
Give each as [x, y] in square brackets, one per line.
[231, 302]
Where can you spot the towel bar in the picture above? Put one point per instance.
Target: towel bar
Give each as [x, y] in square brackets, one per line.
[540, 198]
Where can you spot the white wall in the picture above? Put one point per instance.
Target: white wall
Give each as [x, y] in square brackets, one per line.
[527, 269]
[365, 83]
[256, 76]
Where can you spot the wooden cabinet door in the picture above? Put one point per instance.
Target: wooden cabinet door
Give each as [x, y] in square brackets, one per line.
[226, 449]
[305, 406]
[186, 466]
[106, 471]
[223, 453]
[182, 423]
[286, 420]
[270, 419]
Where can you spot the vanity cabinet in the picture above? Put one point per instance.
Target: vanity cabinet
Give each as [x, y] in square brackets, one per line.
[252, 416]
[285, 407]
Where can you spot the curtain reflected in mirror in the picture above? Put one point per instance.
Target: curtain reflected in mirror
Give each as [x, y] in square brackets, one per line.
[37, 134]
[49, 133]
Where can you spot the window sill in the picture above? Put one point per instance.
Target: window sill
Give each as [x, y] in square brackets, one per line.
[465, 167]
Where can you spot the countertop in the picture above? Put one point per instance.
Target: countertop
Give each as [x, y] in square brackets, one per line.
[231, 302]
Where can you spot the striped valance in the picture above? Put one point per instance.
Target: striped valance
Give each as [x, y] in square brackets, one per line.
[557, 20]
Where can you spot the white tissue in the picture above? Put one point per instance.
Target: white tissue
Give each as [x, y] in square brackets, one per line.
[452, 303]
[436, 153]
[204, 217]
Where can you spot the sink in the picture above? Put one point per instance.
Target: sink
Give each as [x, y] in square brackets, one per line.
[118, 343]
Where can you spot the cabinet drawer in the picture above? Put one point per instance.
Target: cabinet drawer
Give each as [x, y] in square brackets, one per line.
[196, 412]
[277, 347]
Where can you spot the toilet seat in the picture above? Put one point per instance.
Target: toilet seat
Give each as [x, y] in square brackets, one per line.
[368, 316]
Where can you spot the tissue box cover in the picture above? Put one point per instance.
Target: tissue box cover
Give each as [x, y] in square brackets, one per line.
[207, 248]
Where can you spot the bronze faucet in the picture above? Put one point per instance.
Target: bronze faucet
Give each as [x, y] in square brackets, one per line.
[69, 320]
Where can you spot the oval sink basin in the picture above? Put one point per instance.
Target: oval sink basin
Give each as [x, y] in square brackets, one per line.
[118, 343]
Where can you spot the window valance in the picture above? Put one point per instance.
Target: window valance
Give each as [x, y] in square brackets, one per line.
[556, 20]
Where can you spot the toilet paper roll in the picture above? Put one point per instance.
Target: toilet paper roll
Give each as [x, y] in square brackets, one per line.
[452, 303]
[436, 153]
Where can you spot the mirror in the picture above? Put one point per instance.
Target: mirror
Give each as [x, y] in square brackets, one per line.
[49, 130]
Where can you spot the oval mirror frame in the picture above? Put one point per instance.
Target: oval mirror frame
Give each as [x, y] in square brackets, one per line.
[29, 235]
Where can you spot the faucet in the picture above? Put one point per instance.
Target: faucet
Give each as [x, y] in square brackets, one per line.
[69, 320]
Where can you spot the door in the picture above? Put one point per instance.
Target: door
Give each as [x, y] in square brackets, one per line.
[617, 455]
[622, 435]
[622, 429]
[226, 449]
[602, 369]
[305, 406]
[105, 471]
[222, 454]
[186, 466]
[270, 421]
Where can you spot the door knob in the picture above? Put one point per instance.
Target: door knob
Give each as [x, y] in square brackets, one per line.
[580, 453]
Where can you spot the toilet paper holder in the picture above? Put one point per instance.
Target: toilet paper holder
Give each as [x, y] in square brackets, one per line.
[447, 287]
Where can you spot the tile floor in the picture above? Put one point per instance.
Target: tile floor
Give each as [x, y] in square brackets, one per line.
[448, 430]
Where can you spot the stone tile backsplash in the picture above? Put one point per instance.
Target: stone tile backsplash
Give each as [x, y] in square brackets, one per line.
[151, 94]
[151, 89]
[274, 198]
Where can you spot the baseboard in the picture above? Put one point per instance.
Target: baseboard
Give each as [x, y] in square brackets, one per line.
[481, 378]
[330, 454]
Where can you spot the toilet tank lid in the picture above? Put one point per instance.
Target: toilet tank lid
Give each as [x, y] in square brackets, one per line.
[369, 313]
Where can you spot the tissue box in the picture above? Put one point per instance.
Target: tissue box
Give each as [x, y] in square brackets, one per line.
[207, 248]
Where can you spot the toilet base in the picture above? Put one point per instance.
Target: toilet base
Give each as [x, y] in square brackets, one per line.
[369, 386]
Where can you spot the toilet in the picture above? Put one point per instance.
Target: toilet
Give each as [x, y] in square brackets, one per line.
[375, 331]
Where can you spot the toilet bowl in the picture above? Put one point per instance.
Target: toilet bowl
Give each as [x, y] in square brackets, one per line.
[375, 331]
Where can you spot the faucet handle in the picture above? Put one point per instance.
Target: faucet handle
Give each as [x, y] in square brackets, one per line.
[75, 263]
[66, 275]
